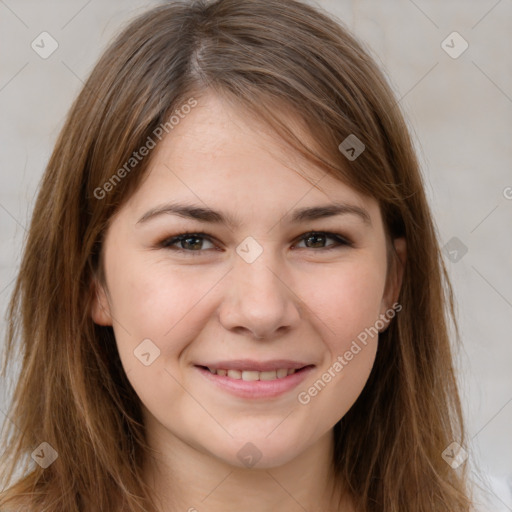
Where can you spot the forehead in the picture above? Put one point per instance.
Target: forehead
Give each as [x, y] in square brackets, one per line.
[216, 130]
[220, 156]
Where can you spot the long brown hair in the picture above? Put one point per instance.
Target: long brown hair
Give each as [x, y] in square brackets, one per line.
[268, 56]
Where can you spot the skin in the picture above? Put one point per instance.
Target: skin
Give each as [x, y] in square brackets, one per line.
[295, 301]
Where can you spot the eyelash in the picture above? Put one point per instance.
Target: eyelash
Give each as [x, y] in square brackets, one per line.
[169, 242]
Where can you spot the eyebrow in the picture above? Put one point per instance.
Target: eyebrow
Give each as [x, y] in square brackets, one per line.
[204, 214]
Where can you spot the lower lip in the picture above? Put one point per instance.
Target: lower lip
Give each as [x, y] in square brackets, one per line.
[257, 388]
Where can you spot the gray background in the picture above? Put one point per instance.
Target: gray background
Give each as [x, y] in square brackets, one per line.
[460, 113]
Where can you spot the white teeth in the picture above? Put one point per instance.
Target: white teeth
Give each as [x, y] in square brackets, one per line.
[234, 374]
[250, 375]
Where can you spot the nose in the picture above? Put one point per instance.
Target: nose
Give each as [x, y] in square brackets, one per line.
[257, 300]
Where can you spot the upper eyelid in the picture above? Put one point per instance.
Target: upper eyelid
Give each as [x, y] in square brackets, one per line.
[342, 239]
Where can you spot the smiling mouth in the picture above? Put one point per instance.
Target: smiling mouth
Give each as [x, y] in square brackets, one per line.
[254, 375]
[255, 380]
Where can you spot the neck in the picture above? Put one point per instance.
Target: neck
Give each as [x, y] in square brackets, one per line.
[187, 479]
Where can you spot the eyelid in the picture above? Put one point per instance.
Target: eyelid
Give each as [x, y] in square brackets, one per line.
[340, 239]
[168, 242]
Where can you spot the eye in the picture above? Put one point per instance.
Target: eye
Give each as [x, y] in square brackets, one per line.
[193, 243]
[317, 239]
[188, 242]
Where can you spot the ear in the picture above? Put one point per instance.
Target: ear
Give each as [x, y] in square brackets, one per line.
[100, 307]
[395, 275]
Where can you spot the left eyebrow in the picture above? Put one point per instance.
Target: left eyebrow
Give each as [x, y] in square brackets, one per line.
[204, 214]
[330, 210]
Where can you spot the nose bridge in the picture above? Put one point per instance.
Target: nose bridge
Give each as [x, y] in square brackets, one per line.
[257, 298]
[259, 279]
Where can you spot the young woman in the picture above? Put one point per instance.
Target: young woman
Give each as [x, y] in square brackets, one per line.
[232, 295]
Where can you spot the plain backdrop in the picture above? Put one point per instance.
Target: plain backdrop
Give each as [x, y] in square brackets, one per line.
[459, 108]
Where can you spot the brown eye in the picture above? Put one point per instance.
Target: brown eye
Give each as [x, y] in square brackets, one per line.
[187, 242]
[317, 240]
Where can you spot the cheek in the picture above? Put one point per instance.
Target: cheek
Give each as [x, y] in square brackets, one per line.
[347, 302]
[346, 312]
[166, 306]
[153, 301]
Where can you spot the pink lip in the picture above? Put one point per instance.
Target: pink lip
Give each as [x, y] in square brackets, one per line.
[257, 388]
[258, 366]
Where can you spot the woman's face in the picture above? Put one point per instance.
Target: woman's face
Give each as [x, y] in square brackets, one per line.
[285, 310]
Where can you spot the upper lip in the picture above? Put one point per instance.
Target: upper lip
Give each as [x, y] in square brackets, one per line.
[260, 366]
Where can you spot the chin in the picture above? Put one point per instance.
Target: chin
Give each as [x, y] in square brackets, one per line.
[259, 452]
